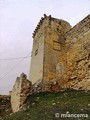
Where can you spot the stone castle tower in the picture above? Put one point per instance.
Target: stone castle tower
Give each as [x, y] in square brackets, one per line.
[61, 53]
[48, 49]
[60, 60]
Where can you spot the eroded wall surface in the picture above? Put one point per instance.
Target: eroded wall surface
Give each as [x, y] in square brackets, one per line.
[19, 93]
[78, 55]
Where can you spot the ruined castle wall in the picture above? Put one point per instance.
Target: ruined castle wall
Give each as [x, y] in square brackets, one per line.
[15, 96]
[80, 28]
[54, 48]
[19, 93]
[78, 55]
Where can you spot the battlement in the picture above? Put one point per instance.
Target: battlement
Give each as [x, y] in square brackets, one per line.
[38, 25]
[80, 28]
[48, 20]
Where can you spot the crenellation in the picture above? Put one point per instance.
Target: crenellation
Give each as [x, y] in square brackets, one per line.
[38, 26]
[45, 15]
[48, 19]
[40, 23]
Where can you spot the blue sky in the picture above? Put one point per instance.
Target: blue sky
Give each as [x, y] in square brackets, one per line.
[18, 19]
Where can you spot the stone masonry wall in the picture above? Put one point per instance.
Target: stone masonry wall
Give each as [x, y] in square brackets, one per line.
[80, 28]
[20, 92]
[78, 56]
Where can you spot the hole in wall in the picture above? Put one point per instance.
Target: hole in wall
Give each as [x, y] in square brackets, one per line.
[36, 52]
